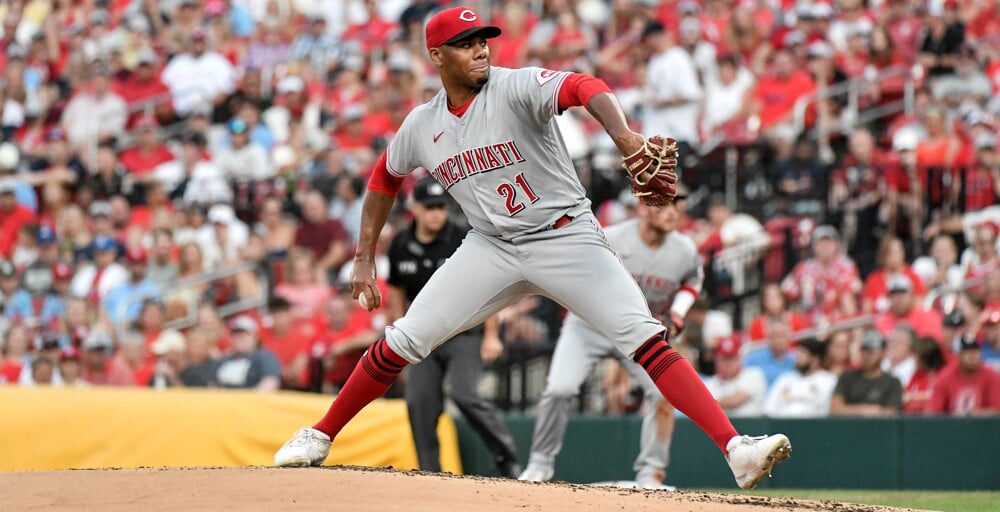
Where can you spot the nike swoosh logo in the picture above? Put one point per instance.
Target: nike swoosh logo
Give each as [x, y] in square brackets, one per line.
[438, 136]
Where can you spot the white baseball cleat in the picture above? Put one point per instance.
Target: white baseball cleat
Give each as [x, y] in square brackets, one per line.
[536, 473]
[753, 458]
[651, 479]
[308, 447]
[653, 485]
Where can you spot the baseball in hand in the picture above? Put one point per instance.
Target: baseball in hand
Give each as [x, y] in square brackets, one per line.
[364, 301]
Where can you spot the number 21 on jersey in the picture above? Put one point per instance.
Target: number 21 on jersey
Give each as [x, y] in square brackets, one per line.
[509, 193]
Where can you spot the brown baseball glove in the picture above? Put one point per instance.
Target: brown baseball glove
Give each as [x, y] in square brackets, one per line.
[652, 170]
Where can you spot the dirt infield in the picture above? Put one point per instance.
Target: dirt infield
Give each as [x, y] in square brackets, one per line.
[353, 490]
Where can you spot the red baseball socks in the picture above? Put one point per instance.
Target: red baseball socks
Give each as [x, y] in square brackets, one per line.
[682, 387]
[674, 377]
[370, 379]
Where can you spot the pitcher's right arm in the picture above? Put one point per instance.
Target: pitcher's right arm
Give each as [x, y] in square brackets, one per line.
[382, 189]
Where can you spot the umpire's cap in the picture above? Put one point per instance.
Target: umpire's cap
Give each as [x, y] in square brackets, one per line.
[429, 192]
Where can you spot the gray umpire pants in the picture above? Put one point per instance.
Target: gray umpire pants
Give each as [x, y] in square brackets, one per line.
[458, 359]
[579, 348]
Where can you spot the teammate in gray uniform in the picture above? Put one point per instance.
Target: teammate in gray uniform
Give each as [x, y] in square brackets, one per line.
[490, 139]
[668, 269]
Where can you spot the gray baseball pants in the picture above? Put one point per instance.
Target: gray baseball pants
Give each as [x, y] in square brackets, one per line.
[579, 348]
[573, 265]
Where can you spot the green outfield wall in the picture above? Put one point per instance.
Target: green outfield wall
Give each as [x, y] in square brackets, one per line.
[831, 453]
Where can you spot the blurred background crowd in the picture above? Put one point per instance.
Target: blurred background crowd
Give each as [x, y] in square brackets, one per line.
[181, 186]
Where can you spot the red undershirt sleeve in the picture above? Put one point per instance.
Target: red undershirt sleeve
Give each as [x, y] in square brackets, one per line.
[578, 88]
[382, 181]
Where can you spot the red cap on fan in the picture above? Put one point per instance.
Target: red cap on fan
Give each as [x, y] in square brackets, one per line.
[728, 346]
[456, 24]
[991, 316]
[62, 270]
[136, 255]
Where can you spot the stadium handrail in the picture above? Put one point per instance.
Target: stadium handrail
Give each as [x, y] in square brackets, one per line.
[935, 294]
[225, 310]
[853, 87]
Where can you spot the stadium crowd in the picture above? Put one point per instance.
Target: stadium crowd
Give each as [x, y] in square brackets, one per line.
[149, 144]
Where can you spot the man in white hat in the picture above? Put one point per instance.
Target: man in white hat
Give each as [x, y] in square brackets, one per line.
[170, 349]
[249, 366]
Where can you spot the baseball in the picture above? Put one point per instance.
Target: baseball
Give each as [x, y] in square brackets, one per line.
[364, 301]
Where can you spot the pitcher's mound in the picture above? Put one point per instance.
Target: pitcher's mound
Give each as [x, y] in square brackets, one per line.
[350, 489]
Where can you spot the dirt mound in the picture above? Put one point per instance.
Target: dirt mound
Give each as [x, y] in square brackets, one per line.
[351, 489]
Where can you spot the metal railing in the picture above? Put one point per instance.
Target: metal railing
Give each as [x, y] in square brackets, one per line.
[191, 316]
[853, 115]
[941, 291]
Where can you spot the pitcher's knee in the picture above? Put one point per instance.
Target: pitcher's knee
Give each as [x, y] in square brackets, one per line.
[406, 347]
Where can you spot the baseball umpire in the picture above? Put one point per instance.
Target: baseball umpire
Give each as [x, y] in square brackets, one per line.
[490, 139]
[414, 255]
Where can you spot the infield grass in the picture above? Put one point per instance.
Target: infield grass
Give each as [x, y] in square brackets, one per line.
[947, 501]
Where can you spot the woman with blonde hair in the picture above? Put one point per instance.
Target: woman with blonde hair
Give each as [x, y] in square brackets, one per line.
[303, 285]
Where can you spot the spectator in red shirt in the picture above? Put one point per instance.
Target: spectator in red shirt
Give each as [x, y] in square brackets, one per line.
[374, 32]
[904, 28]
[968, 387]
[133, 354]
[142, 89]
[290, 340]
[323, 236]
[774, 98]
[892, 261]
[12, 217]
[99, 368]
[774, 309]
[981, 180]
[141, 159]
[942, 149]
[905, 308]
[882, 57]
[930, 362]
[352, 135]
[14, 354]
[826, 283]
[516, 21]
[349, 331]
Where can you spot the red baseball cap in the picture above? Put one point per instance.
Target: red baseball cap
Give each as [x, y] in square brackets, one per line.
[456, 24]
[991, 316]
[62, 270]
[146, 122]
[728, 346]
[136, 255]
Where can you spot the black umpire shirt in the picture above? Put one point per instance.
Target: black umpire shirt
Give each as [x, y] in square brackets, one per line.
[411, 263]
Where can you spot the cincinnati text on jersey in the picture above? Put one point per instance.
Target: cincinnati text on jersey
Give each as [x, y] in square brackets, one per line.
[470, 162]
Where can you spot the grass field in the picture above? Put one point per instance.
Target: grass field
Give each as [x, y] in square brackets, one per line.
[948, 501]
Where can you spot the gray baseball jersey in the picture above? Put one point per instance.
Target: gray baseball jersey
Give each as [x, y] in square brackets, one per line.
[660, 272]
[503, 160]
